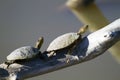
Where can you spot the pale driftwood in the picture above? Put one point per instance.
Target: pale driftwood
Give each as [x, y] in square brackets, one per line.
[92, 15]
[92, 46]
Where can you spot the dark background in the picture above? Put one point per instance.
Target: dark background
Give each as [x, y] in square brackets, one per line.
[22, 22]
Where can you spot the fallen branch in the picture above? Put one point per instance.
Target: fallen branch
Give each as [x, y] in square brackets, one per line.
[89, 13]
[92, 46]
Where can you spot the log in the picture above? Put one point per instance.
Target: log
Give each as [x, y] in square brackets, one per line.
[91, 46]
[89, 13]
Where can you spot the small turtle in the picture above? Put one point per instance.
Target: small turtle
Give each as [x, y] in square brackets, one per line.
[67, 40]
[24, 53]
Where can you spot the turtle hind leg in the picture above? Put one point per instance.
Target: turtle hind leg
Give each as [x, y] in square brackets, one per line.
[8, 63]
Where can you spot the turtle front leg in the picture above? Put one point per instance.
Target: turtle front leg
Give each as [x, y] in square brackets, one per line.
[51, 53]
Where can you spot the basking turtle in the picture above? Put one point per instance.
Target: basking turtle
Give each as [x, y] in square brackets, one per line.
[24, 53]
[67, 40]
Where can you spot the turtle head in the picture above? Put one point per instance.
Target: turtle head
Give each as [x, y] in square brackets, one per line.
[83, 29]
[39, 42]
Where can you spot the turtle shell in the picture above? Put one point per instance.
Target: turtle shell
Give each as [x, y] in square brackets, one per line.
[26, 52]
[63, 41]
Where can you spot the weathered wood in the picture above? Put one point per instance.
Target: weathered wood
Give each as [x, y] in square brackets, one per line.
[91, 15]
[92, 46]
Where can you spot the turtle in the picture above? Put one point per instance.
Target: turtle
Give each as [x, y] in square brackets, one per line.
[24, 53]
[66, 40]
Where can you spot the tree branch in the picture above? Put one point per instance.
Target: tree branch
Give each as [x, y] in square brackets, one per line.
[91, 15]
[92, 46]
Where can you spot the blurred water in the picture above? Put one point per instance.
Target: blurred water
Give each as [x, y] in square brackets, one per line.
[23, 21]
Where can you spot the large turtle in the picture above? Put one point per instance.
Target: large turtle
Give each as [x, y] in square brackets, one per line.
[67, 40]
[24, 53]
